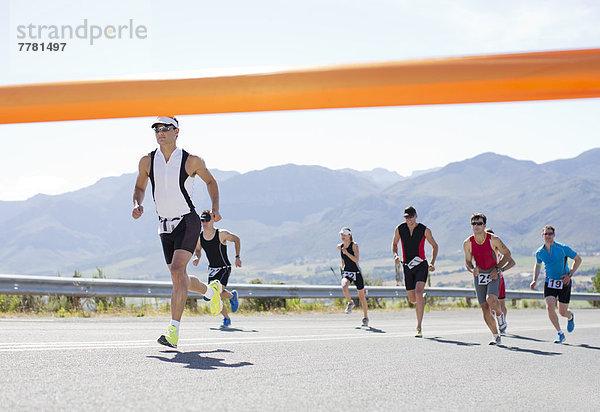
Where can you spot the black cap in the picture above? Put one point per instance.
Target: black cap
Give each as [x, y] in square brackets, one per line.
[410, 211]
[205, 217]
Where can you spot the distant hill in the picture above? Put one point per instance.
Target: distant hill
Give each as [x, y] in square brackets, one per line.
[292, 214]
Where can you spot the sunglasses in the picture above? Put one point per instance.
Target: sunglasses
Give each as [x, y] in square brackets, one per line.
[158, 129]
[477, 223]
[548, 234]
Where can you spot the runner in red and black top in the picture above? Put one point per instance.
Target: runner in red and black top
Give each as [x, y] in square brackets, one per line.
[214, 242]
[502, 284]
[351, 272]
[414, 263]
[482, 247]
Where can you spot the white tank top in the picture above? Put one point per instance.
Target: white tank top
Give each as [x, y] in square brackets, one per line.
[172, 187]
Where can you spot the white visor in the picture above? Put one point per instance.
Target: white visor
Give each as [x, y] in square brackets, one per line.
[165, 120]
[345, 231]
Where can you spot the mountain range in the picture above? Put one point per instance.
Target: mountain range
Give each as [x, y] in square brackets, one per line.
[292, 214]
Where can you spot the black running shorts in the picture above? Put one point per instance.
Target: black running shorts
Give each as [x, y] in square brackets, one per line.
[184, 236]
[563, 295]
[221, 274]
[417, 274]
[357, 278]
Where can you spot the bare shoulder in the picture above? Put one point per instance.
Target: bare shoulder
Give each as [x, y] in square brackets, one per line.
[467, 243]
[144, 164]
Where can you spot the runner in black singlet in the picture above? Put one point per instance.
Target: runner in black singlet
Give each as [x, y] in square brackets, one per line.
[414, 263]
[214, 243]
[351, 272]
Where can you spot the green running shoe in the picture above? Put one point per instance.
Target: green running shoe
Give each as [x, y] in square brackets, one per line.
[419, 333]
[170, 338]
[215, 304]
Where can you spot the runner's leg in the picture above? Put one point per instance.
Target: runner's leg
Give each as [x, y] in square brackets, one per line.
[363, 301]
[420, 302]
[180, 282]
[551, 307]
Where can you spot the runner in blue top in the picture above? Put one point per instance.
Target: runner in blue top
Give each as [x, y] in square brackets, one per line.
[558, 278]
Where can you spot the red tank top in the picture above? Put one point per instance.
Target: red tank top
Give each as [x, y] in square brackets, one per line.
[485, 257]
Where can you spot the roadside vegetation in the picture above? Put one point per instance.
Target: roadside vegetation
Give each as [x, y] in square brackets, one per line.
[72, 306]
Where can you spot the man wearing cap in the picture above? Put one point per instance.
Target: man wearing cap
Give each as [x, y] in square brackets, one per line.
[414, 263]
[483, 248]
[171, 171]
[557, 285]
[214, 242]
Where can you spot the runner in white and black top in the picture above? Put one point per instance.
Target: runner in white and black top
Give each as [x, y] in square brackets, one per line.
[214, 243]
[351, 272]
[171, 171]
[414, 263]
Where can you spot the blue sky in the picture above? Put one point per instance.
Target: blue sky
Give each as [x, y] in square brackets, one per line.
[191, 38]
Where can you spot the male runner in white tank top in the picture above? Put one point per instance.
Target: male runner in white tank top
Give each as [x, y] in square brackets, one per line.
[171, 171]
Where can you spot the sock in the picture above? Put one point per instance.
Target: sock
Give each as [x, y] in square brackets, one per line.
[176, 324]
[209, 293]
[571, 318]
[500, 318]
[495, 335]
[560, 332]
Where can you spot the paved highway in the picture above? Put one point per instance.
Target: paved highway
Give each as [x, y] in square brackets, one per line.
[300, 362]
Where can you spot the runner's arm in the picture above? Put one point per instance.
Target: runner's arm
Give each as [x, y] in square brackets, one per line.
[500, 246]
[198, 167]
[509, 265]
[395, 245]
[434, 245]
[575, 266]
[536, 273]
[469, 257]
[197, 253]
[225, 236]
[139, 190]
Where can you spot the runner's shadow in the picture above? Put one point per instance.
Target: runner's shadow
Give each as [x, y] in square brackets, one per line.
[195, 360]
[582, 345]
[454, 342]
[513, 336]
[370, 329]
[234, 330]
[532, 351]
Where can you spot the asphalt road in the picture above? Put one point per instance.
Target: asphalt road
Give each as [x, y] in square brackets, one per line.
[300, 362]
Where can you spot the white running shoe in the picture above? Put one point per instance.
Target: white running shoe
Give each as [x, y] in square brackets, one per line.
[349, 307]
[496, 340]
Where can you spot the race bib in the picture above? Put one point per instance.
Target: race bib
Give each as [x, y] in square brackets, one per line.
[483, 278]
[414, 262]
[555, 284]
[168, 225]
[350, 275]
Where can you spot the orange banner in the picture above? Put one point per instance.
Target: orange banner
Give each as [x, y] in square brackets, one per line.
[568, 74]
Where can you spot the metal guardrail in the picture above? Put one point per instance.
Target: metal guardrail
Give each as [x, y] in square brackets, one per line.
[86, 287]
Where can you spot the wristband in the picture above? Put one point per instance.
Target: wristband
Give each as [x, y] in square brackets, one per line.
[237, 256]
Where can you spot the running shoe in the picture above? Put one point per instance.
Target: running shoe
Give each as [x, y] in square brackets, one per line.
[496, 340]
[560, 338]
[419, 333]
[226, 323]
[427, 308]
[234, 301]
[349, 307]
[571, 323]
[170, 338]
[215, 304]
[502, 325]
[365, 322]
